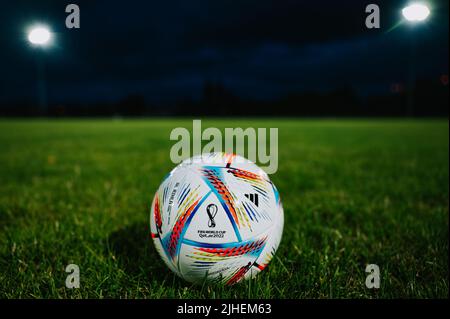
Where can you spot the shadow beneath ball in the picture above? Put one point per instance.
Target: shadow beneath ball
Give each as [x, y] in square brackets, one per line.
[135, 253]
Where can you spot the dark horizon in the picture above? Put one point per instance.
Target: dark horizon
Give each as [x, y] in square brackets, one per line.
[217, 58]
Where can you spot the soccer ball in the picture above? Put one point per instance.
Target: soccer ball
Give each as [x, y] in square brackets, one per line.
[218, 218]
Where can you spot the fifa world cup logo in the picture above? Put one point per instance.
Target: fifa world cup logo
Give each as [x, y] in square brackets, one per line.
[211, 210]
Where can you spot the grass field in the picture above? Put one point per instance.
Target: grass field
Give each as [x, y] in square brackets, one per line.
[355, 192]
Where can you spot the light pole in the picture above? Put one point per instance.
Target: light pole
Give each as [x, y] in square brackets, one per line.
[414, 13]
[40, 37]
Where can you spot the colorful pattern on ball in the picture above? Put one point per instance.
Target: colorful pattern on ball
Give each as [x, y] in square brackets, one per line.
[217, 218]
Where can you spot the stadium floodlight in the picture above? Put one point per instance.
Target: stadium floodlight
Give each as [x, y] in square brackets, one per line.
[416, 12]
[40, 36]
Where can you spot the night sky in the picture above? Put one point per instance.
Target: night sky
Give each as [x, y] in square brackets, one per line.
[166, 50]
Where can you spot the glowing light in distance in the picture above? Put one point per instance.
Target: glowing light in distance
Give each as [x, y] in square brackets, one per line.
[416, 12]
[39, 36]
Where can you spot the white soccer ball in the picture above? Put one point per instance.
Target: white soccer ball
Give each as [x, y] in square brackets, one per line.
[216, 217]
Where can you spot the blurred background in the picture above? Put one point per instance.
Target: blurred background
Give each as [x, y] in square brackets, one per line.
[223, 58]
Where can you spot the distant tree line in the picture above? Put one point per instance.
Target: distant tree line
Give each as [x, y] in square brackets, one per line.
[429, 98]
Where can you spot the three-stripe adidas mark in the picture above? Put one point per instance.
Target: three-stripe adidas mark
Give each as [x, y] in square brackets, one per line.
[253, 198]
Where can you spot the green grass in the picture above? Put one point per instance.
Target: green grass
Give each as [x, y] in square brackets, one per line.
[355, 192]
